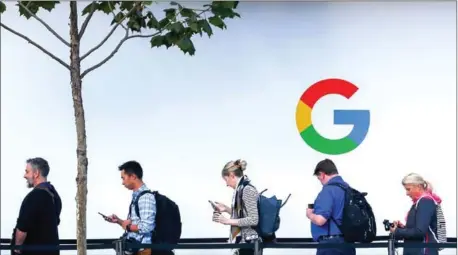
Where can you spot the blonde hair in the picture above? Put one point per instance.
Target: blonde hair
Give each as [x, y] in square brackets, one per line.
[236, 166]
[416, 179]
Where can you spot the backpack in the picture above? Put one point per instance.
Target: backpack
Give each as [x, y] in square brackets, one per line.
[168, 219]
[269, 214]
[358, 221]
[441, 236]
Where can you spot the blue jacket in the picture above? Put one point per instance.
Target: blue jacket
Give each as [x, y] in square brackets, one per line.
[421, 226]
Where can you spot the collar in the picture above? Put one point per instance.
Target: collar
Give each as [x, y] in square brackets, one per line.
[238, 182]
[335, 179]
[137, 192]
[44, 185]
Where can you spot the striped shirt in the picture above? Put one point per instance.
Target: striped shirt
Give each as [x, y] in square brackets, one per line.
[146, 221]
[247, 215]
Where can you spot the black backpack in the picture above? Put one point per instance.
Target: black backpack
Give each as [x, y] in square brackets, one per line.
[358, 221]
[168, 219]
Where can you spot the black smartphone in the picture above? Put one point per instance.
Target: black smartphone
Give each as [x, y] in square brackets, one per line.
[310, 206]
[105, 217]
[213, 205]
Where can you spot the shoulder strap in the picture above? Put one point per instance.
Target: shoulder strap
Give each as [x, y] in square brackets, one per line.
[135, 202]
[332, 218]
[47, 191]
[340, 185]
[418, 201]
[240, 196]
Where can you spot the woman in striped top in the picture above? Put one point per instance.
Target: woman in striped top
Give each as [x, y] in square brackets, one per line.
[244, 209]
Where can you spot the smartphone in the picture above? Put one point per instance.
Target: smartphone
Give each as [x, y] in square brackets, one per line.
[310, 206]
[105, 217]
[213, 205]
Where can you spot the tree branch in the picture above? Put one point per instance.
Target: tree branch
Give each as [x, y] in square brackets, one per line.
[36, 45]
[44, 24]
[109, 34]
[124, 39]
[86, 21]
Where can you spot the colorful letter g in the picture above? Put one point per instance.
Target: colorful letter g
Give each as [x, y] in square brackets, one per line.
[360, 119]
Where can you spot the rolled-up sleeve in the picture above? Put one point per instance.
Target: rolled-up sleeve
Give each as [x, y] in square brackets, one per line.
[323, 203]
[250, 200]
[147, 210]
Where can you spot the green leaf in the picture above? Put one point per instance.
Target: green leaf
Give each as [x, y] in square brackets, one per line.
[206, 27]
[171, 38]
[152, 21]
[47, 5]
[88, 8]
[134, 25]
[173, 3]
[106, 6]
[117, 18]
[186, 45]
[157, 41]
[194, 26]
[177, 27]
[187, 13]
[163, 23]
[170, 13]
[217, 22]
[126, 5]
[2, 7]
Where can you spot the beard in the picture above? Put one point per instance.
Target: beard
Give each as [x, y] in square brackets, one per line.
[29, 183]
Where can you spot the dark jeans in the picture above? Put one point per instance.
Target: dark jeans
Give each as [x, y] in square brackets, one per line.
[335, 251]
[247, 252]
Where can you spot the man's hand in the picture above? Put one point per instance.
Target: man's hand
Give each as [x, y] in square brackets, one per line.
[113, 219]
[124, 223]
[309, 213]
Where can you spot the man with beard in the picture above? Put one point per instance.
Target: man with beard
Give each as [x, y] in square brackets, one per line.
[37, 224]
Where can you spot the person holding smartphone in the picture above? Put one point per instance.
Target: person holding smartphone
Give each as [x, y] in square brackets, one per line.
[244, 208]
[139, 228]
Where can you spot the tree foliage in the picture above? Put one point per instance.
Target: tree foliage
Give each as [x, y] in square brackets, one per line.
[174, 27]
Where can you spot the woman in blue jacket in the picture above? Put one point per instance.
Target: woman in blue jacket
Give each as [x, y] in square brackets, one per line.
[421, 221]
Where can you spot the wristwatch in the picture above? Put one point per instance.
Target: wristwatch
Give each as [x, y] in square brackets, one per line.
[128, 227]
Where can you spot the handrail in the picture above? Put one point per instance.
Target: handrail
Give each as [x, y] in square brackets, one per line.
[208, 240]
[232, 246]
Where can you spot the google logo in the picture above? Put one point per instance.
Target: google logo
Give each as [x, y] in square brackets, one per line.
[360, 119]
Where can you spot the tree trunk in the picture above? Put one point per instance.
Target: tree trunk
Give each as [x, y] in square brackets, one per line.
[82, 161]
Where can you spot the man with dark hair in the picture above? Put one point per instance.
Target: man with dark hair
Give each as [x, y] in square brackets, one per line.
[327, 210]
[139, 226]
[39, 215]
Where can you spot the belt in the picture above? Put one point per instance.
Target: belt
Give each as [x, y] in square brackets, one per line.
[323, 238]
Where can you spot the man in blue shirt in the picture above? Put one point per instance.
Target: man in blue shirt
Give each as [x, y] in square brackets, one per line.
[328, 210]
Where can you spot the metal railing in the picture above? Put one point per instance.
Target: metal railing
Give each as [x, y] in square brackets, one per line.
[221, 243]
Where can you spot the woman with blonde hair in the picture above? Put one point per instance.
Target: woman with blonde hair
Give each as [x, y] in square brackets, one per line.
[244, 208]
[425, 221]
